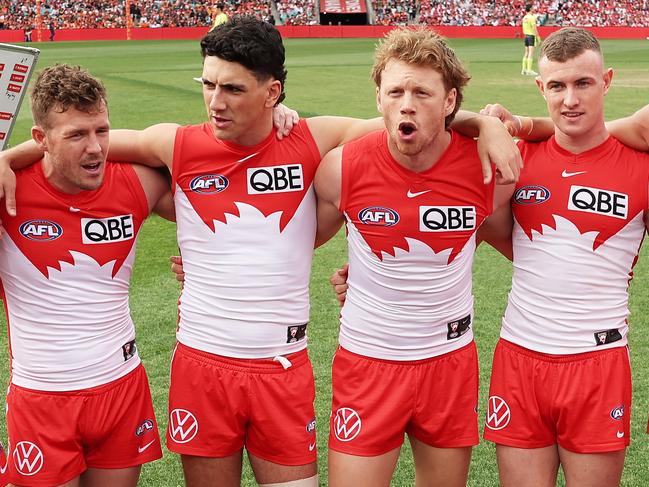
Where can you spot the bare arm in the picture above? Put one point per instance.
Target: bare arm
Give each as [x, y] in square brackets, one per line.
[330, 132]
[153, 146]
[327, 183]
[526, 128]
[495, 145]
[497, 229]
[632, 131]
[155, 184]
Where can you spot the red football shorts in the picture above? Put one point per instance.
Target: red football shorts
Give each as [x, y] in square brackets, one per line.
[4, 475]
[217, 405]
[56, 436]
[376, 401]
[581, 402]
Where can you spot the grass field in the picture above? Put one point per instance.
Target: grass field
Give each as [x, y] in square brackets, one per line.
[150, 82]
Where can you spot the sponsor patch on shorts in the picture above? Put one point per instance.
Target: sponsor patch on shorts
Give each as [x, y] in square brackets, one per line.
[607, 336]
[458, 328]
[295, 333]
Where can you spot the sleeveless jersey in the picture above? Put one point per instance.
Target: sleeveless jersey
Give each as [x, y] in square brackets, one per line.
[65, 265]
[578, 227]
[411, 239]
[246, 229]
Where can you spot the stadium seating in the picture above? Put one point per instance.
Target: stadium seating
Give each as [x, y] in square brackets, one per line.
[297, 12]
[67, 14]
[601, 13]
[391, 12]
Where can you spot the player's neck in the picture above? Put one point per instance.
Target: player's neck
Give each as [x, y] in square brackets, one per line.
[583, 142]
[426, 158]
[254, 135]
[55, 179]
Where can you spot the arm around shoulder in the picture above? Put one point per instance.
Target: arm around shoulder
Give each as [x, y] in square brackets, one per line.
[153, 146]
[632, 131]
[330, 132]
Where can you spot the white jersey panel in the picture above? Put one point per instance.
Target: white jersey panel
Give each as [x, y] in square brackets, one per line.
[401, 307]
[246, 282]
[564, 292]
[67, 332]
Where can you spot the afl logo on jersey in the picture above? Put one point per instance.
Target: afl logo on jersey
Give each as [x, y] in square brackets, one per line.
[209, 184]
[378, 215]
[532, 195]
[41, 230]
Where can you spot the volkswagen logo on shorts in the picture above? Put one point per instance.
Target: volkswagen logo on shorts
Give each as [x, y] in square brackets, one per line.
[28, 458]
[41, 230]
[183, 426]
[498, 413]
[209, 184]
[347, 424]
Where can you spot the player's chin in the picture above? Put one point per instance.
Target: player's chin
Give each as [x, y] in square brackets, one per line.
[90, 183]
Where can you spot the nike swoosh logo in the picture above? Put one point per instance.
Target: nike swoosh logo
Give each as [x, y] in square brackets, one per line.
[311, 446]
[566, 174]
[140, 449]
[248, 157]
[620, 434]
[418, 193]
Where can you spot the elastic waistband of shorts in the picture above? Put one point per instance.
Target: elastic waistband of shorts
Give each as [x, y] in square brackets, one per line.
[549, 357]
[423, 361]
[91, 391]
[266, 365]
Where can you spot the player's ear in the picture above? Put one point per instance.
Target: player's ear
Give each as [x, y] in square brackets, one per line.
[539, 85]
[608, 78]
[451, 100]
[378, 99]
[274, 92]
[40, 137]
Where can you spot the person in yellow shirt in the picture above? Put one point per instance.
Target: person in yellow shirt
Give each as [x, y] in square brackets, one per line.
[220, 17]
[531, 38]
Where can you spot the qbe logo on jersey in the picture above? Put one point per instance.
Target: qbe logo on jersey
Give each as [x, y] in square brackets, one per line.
[107, 230]
[183, 426]
[28, 458]
[275, 179]
[598, 201]
[446, 218]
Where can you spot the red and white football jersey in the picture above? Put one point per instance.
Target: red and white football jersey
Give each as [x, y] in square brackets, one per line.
[579, 224]
[65, 265]
[246, 229]
[411, 240]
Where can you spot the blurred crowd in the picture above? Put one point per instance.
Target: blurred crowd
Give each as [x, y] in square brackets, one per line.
[297, 12]
[92, 14]
[586, 13]
[70, 14]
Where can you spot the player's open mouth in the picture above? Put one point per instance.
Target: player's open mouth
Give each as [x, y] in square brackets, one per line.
[572, 114]
[406, 129]
[220, 122]
[94, 167]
